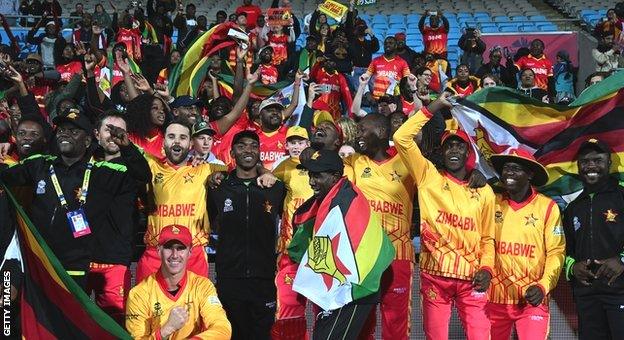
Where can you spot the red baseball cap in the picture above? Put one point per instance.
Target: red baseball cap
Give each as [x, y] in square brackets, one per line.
[175, 232]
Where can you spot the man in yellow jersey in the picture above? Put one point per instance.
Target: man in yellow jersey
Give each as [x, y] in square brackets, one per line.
[175, 303]
[179, 194]
[457, 227]
[389, 188]
[530, 248]
[290, 317]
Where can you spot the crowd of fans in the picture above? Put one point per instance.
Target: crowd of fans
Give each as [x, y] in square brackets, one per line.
[101, 102]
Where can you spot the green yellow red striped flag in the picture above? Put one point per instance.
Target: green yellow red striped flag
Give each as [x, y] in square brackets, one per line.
[500, 118]
[341, 248]
[188, 74]
[53, 306]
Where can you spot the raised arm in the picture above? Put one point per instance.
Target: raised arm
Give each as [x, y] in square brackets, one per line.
[227, 121]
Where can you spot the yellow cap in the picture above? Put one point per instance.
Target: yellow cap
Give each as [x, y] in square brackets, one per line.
[297, 131]
[322, 116]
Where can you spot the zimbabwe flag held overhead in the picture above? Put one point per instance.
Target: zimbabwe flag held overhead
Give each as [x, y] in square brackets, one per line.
[53, 306]
[341, 248]
[498, 118]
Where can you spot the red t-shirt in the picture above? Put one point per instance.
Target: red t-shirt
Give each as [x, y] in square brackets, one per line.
[153, 145]
[253, 12]
[272, 145]
[68, 70]
[280, 47]
[339, 90]
[464, 91]
[542, 67]
[223, 141]
[407, 107]
[435, 40]
[268, 74]
[385, 71]
[132, 39]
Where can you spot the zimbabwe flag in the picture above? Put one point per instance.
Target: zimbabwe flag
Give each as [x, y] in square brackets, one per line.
[499, 118]
[340, 246]
[53, 306]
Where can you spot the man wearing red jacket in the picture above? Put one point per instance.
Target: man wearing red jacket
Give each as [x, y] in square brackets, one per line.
[335, 88]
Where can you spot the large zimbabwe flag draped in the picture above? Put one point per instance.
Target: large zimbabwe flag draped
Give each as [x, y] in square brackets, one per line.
[500, 118]
[187, 76]
[53, 306]
[341, 248]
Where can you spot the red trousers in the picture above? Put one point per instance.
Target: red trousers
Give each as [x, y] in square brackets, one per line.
[396, 302]
[439, 293]
[532, 323]
[110, 283]
[149, 263]
[290, 322]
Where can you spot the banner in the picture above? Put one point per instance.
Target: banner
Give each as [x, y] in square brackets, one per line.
[279, 16]
[333, 9]
[553, 43]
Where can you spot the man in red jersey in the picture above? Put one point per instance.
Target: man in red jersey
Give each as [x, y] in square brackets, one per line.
[252, 11]
[387, 70]
[435, 36]
[334, 84]
[539, 63]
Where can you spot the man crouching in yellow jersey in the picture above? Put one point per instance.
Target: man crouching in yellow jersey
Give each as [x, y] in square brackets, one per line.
[175, 303]
[530, 248]
[457, 228]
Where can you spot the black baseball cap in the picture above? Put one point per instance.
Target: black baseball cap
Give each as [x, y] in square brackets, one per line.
[202, 127]
[323, 161]
[76, 117]
[596, 145]
[245, 134]
[186, 100]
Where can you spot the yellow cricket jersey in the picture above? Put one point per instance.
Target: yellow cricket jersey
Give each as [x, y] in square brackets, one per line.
[297, 191]
[389, 188]
[456, 221]
[149, 305]
[180, 198]
[530, 247]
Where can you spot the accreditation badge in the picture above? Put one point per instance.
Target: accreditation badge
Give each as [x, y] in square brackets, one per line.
[78, 223]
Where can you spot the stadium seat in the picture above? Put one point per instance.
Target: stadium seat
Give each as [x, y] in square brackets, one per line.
[378, 18]
[537, 18]
[489, 29]
[528, 28]
[396, 19]
[508, 29]
[519, 18]
[501, 18]
[547, 28]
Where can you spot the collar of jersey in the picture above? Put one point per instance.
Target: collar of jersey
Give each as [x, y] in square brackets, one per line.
[163, 285]
[519, 205]
[454, 179]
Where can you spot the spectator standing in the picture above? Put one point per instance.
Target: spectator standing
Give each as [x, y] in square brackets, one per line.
[102, 18]
[435, 36]
[203, 139]
[494, 67]
[528, 88]
[252, 11]
[360, 49]
[470, 42]
[403, 50]
[606, 54]
[522, 281]
[564, 74]
[540, 64]
[455, 263]
[50, 44]
[186, 304]
[594, 241]
[334, 85]
[464, 84]
[185, 21]
[387, 70]
[220, 18]
[246, 216]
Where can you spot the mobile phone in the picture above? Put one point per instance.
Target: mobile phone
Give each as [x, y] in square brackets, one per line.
[325, 88]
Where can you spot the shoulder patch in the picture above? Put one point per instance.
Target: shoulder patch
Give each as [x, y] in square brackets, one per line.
[214, 300]
[558, 231]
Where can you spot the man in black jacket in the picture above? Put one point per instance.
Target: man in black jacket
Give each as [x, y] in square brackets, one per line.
[245, 216]
[75, 198]
[594, 232]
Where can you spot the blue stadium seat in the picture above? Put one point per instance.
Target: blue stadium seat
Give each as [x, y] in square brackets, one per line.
[396, 18]
[547, 28]
[486, 24]
[412, 18]
[501, 18]
[537, 18]
[585, 12]
[464, 15]
[396, 25]
[452, 42]
[489, 29]
[528, 28]
[393, 31]
[412, 26]
[476, 14]
[454, 35]
[519, 18]
[508, 29]
[379, 26]
[379, 18]
[483, 18]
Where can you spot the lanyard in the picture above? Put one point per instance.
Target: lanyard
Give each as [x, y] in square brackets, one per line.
[83, 191]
